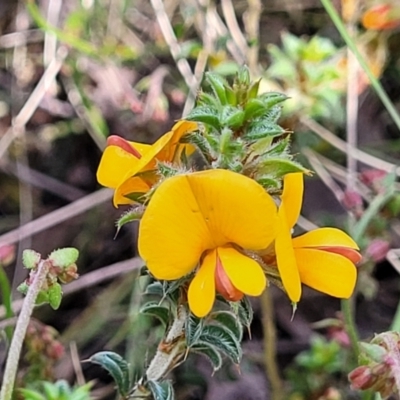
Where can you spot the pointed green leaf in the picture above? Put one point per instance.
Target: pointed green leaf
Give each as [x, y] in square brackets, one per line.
[131, 215]
[193, 328]
[230, 96]
[268, 182]
[279, 167]
[228, 320]
[270, 99]
[253, 109]
[217, 86]
[223, 340]
[207, 99]
[29, 394]
[243, 75]
[253, 90]
[161, 391]
[210, 352]
[206, 115]
[261, 130]
[154, 309]
[245, 312]
[155, 288]
[232, 117]
[116, 366]
[55, 295]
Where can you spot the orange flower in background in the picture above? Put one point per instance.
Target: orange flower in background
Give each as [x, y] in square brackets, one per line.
[381, 17]
[122, 160]
[204, 221]
[322, 259]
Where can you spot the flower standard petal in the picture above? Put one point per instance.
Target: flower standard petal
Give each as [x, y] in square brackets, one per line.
[114, 163]
[236, 208]
[201, 293]
[326, 272]
[245, 274]
[173, 233]
[286, 258]
[292, 196]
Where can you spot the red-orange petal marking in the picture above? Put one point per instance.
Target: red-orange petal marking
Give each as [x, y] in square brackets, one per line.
[353, 255]
[118, 141]
[224, 285]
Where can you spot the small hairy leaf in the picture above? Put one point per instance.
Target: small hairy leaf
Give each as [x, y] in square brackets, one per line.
[155, 288]
[116, 366]
[279, 167]
[223, 340]
[55, 295]
[261, 129]
[154, 309]
[218, 86]
[245, 312]
[193, 329]
[63, 258]
[161, 391]
[229, 321]
[206, 115]
[210, 352]
[131, 215]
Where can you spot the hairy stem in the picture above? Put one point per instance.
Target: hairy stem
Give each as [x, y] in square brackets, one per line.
[270, 345]
[20, 331]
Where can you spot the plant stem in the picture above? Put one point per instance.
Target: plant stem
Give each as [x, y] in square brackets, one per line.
[6, 298]
[20, 331]
[170, 350]
[352, 46]
[267, 307]
[347, 310]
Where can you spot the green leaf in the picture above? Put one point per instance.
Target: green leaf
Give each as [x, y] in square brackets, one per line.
[230, 321]
[230, 96]
[270, 99]
[210, 352]
[206, 99]
[30, 259]
[253, 90]
[279, 167]
[206, 115]
[223, 340]
[245, 312]
[273, 114]
[193, 328]
[155, 288]
[253, 109]
[116, 366]
[63, 258]
[243, 76]
[260, 130]
[131, 215]
[155, 310]
[55, 295]
[268, 182]
[161, 391]
[53, 391]
[31, 394]
[232, 117]
[218, 86]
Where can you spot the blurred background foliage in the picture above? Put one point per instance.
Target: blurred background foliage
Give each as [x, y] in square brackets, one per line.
[73, 72]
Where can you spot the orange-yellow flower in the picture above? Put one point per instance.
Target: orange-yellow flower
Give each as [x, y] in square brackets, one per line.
[205, 221]
[322, 259]
[381, 17]
[123, 160]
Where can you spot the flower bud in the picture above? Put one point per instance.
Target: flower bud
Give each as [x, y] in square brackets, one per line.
[362, 378]
[7, 254]
[377, 250]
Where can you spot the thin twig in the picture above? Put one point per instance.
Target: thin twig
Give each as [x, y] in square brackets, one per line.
[57, 216]
[20, 331]
[33, 101]
[339, 144]
[90, 279]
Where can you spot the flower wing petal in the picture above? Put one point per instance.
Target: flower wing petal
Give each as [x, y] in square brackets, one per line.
[114, 164]
[244, 273]
[292, 196]
[329, 237]
[131, 185]
[172, 232]
[286, 259]
[326, 272]
[201, 293]
[236, 208]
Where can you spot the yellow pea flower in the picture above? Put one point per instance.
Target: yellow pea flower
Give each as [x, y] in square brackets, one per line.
[204, 221]
[122, 160]
[322, 259]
